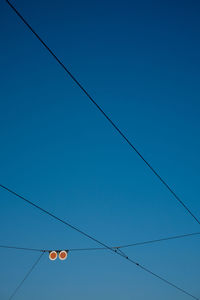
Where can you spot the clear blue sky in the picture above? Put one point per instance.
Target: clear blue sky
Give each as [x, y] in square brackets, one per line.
[140, 60]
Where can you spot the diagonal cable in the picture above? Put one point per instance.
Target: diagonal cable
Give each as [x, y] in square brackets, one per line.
[104, 114]
[27, 275]
[100, 248]
[100, 243]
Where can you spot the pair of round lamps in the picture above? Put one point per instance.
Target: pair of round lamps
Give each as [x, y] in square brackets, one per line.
[61, 254]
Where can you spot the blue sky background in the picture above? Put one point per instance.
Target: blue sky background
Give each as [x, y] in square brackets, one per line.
[140, 60]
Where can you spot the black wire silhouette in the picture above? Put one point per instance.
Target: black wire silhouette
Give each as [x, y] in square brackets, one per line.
[99, 242]
[103, 113]
[103, 248]
[27, 275]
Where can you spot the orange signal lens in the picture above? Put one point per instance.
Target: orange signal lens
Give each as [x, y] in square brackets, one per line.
[63, 254]
[53, 255]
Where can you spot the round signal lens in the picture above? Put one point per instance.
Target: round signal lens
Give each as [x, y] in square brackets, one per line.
[63, 254]
[53, 255]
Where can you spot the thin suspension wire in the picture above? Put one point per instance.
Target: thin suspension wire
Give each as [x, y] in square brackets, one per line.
[160, 240]
[99, 242]
[120, 132]
[104, 114]
[22, 248]
[141, 243]
[27, 275]
[100, 248]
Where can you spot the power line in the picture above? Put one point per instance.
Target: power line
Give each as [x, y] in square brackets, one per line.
[100, 248]
[22, 248]
[27, 275]
[130, 144]
[104, 114]
[161, 240]
[142, 243]
[99, 242]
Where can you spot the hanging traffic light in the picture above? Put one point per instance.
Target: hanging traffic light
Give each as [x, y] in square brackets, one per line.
[61, 253]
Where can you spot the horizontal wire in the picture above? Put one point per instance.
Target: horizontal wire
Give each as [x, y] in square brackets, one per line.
[22, 248]
[130, 144]
[103, 248]
[97, 241]
[161, 240]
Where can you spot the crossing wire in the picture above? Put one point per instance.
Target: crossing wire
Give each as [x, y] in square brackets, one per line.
[126, 139]
[99, 242]
[103, 248]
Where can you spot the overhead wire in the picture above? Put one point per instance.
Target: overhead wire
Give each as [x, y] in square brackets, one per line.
[103, 248]
[130, 144]
[99, 242]
[160, 240]
[26, 276]
[104, 114]
[22, 248]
